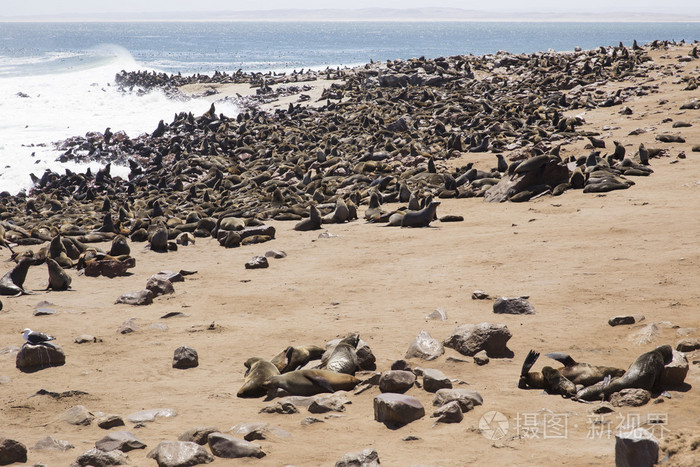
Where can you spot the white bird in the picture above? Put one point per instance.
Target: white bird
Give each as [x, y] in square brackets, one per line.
[36, 337]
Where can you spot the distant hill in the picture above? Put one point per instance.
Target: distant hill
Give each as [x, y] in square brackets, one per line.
[366, 14]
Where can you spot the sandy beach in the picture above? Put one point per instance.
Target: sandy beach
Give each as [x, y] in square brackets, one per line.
[581, 258]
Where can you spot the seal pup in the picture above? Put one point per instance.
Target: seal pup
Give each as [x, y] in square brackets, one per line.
[293, 358]
[58, 278]
[562, 380]
[312, 223]
[343, 358]
[644, 373]
[310, 382]
[257, 372]
[12, 283]
[420, 218]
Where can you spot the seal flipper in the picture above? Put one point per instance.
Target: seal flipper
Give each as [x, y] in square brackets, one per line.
[564, 359]
[530, 360]
[320, 381]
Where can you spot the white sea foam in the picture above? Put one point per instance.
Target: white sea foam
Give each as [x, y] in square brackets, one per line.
[76, 97]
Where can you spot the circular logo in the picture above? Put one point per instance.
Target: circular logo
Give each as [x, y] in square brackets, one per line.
[493, 425]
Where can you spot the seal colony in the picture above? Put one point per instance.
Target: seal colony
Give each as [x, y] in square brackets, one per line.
[397, 140]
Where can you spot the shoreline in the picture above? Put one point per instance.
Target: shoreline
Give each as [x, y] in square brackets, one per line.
[580, 257]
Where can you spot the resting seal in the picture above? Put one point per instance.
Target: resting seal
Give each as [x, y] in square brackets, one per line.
[563, 380]
[420, 218]
[312, 223]
[311, 382]
[258, 370]
[293, 358]
[644, 373]
[343, 358]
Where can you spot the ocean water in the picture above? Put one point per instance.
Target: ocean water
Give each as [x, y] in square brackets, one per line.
[57, 79]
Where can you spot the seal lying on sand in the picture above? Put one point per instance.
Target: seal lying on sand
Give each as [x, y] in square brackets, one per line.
[293, 358]
[644, 373]
[258, 371]
[563, 380]
[311, 382]
[420, 218]
[343, 359]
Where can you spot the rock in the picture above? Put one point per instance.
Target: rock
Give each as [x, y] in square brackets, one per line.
[397, 409]
[365, 358]
[688, 345]
[86, 339]
[630, 397]
[110, 421]
[78, 415]
[150, 415]
[199, 435]
[185, 357]
[170, 276]
[467, 399]
[481, 358]
[675, 372]
[229, 447]
[122, 441]
[97, 458]
[399, 365]
[425, 347]
[366, 458]
[324, 404]
[257, 262]
[480, 295]
[128, 326]
[513, 306]
[449, 413]
[255, 431]
[396, 381]
[636, 448]
[12, 451]
[44, 312]
[648, 333]
[49, 443]
[603, 407]
[433, 380]
[179, 454]
[36, 357]
[276, 254]
[620, 320]
[140, 298]
[438, 315]
[280, 408]
[159, 286]
[469, 339]
[311, 421]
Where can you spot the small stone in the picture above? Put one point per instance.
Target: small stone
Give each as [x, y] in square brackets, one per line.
[481, 358]
[185, 357]
[229, 447]
[128, 326]
[12, 451]
[140, 298]
[199, 435]
[513, 306]
[179, 453]
[86, 339]
[150, 415]
[630, 398]
[97, 458]
[120, 440]
[110, 421]
[402, 365]
[280, 408]
[311, 421]
[78, 415]
[49, 443]
[257, 262]
[433, 380]
[170, 276]
[621, 320]
[688, 345]
[36, 357]
[324, 404]
[438, 315]
[44, 312]
[366, 458]
[396, 381]
[636, 448]
[159, 286]
[674, 373]
[469, 339]
[397, 409]
[276, 254]
[467, 399]
[480, 295]
[449, 413]
[603, 407]
[425, 347]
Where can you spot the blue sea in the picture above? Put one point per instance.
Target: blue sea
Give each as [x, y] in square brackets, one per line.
[57, 79]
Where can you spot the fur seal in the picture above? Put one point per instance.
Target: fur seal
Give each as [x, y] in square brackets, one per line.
[119, 246]
[57, 251]
[293, 358]
[563, 380]
[644, 373]
[58, 278]
[258, 371]
[343, 358]
[12, 283]
[420, 218]
[311, 382]
[312, 223]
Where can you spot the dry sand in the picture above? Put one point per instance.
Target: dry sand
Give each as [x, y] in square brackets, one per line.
[581, 258]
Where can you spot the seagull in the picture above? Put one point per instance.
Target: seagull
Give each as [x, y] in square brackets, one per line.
[36, 337]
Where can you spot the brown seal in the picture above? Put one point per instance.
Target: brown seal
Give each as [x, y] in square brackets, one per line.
[12, 283]
[420, 218]
[293, 358]
[312, 223]
[58, 278]
[258, 371]
[311, 382]
[644, 373]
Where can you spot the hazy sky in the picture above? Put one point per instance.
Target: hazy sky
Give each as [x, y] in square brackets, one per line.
[52, 7]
